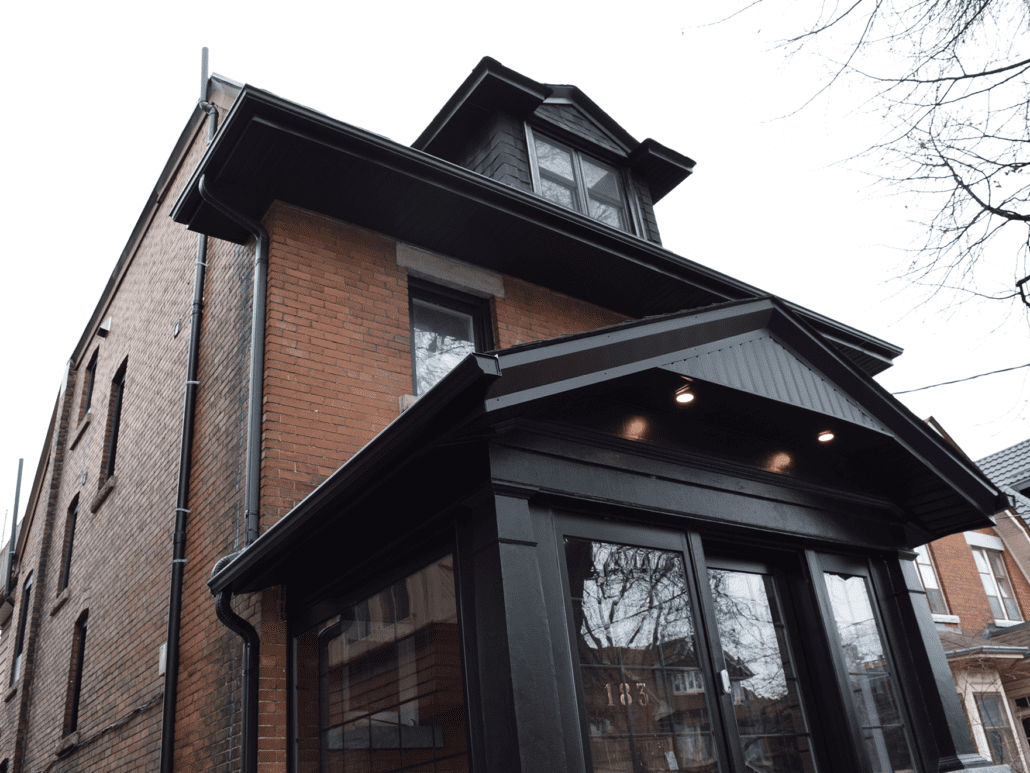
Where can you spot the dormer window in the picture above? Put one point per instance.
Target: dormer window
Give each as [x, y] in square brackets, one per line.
[575, 180]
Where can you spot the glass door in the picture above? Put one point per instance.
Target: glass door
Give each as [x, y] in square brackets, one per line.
[684, 662]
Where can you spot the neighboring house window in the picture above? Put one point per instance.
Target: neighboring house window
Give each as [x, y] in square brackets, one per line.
[996, 728]
[114, 418]
[87, 384]
[995, 579]
[71, 723]
[686, 682]
[570, 178]
[445, 327]
[928, 576]
[23, 619]
[69, 543]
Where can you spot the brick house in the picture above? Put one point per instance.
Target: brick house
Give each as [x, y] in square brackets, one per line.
[978, 590]
[431, 458]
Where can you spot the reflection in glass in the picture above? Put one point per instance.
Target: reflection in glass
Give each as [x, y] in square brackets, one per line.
[766, 701]
[379, 687]
[996, 728]
[441, 338]
[643, 688]
[872, 684]
[604, 192]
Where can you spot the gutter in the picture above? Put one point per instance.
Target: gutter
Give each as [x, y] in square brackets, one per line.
[989, 651]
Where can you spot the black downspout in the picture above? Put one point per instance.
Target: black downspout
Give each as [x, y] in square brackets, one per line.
[253, 474]
[257, 359]
[171, 688]
[251, 655]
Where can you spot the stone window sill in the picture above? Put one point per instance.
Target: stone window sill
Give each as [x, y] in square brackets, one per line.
[60, 601]
[1007, 623]
[11, 692]
[952, 619]
[103, 494]
[81, 429]
[68, 743]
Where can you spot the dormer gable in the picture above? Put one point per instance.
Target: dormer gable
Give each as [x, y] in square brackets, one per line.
[503, 125]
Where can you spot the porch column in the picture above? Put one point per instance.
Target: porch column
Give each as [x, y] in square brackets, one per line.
[521, 724]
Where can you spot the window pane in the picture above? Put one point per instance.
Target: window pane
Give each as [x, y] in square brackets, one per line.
[554, 160]
[996, 728]
[642, 685]
[441, 339]
[378, 692]
[558, 193]
[604, 191]
[766, 700]
[872, 684]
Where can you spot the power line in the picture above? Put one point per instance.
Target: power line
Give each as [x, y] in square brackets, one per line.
[960, 380]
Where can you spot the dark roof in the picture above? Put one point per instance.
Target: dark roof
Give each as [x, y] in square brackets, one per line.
[758, 351]
[1010, 470]
[1010, 466]
[268, 148]
[1007, 645]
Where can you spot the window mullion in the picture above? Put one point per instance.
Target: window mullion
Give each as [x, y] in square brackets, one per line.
[710, 652]
[581, 187]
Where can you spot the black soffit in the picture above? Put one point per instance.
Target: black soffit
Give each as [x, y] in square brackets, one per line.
[633, 364]
[270, 149]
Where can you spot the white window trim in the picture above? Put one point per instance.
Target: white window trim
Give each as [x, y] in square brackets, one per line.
[987, 541]
[946, 618]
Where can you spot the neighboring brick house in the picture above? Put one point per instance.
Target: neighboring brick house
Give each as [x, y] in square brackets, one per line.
[479, 476]
[978, 590]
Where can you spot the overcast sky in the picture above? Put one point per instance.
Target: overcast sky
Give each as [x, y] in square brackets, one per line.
[98, 93]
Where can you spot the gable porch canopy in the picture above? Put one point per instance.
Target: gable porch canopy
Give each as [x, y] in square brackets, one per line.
[758, 369]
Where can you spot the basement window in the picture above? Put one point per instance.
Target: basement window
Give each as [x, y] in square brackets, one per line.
[575, 180]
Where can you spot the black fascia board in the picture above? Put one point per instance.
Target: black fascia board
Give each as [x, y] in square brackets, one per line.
[623, 264]
[489, 87]
[433, 420]
[662, 167]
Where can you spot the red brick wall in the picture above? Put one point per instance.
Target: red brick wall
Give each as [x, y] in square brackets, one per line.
[961, 583]
[337, 349]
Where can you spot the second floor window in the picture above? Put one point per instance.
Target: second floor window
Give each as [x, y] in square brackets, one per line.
[995, 579]
[579, 182]
[445, 327]
[928, 576]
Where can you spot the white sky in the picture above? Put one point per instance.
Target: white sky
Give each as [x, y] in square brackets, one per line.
[98, 93]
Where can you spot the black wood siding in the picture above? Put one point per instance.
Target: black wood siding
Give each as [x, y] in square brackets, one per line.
[499, 152]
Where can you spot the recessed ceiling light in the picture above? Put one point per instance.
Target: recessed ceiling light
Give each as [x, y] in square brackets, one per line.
[826, 437]
[684, 396]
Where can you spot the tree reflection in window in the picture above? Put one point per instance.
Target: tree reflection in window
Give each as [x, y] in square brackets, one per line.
[771, 725]
[872, 684]
[635, 632]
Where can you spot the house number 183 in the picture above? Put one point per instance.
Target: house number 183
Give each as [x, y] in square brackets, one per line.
[624, 691]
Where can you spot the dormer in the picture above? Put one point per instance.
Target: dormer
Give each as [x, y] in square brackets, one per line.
[556, 142]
